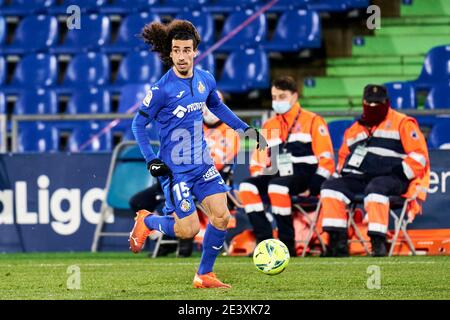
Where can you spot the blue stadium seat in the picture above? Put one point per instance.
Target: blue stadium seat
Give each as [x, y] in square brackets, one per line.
[401, 95]
[36, 101]
[435, 68]
[175, 6]
[34, 33]
[296, 30]
[3, 70]
[204, 23]
[91, 69]
[124, 7]
[152, 133]
[328, 5]
[245, 70]
[89, 100]
[439, 137]
[34, 70]
[37, 137]
[439, 96]
[337, 129]
[131, 95]
[253, 34]
[128, 37]
[84, 132]
[358, 4]
[93, 34]
[27, 7]
[84, 5]
[2, 103]
[288, 5]
[227, 6]
[139, 67]
[3, 30]
[207, 63]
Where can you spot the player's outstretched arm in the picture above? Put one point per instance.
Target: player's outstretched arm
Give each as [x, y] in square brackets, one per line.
[147, 112]
[216, 106]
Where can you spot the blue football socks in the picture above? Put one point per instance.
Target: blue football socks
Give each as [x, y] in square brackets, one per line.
[212, 245]
[163, 224]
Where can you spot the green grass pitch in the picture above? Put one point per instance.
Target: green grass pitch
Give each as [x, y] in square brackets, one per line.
[128, 276]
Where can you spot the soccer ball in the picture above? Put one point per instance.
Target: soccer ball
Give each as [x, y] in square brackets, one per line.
[271, 256]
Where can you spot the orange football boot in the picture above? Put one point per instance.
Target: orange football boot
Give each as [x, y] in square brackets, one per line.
[208, 280]
[140, 231]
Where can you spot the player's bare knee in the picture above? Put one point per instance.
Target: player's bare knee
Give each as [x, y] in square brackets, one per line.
[221, 221]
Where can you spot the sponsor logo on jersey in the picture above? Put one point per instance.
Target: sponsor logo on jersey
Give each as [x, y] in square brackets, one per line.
[179, 112]
[211, 173]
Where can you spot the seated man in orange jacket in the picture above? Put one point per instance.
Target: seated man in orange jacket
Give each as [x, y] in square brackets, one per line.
[305, 159]
[383, 154]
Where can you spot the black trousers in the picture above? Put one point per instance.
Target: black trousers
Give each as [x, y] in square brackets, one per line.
[262, 227]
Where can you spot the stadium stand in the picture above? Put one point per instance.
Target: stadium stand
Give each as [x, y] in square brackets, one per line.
[245, 70]
[94, 33]
[439, 97]
[2, 70]
[89, 100]
[124, 7]
[127, 38]
[401, 95]
[204, 23]
[26, 7]
[139, 67]
[2, 103]
[2, 30]
[296, 30]
[435, 68]
[37, 50]
[84, 5]
[91, 69]
[37, 137]
[33, 34]
[439, 137]
[253, 34]
[86, 131]
[34, 70]
[36, 101]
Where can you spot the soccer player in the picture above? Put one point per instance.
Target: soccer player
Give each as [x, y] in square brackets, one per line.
[183, 164]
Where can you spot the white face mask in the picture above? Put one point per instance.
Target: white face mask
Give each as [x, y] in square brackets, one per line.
[209, 118]
[281, 107]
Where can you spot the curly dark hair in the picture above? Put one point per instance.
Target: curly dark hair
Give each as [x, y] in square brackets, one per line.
[159, 36]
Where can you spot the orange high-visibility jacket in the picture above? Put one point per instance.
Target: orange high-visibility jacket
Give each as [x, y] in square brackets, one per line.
[309, 142]
[396, 141]
[223, 143]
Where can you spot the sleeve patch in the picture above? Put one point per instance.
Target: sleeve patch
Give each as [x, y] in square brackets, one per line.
[148, 98]
[323, 130]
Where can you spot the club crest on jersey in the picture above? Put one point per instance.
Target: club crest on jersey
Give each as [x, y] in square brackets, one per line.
[148, 98]
[200, 87]
[185, 205]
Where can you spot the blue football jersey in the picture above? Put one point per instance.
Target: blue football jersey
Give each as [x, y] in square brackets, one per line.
[175, 106]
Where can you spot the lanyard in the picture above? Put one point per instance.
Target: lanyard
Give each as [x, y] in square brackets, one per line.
[283, 146]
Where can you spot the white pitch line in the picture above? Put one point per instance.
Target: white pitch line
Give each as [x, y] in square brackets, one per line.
[150, 264]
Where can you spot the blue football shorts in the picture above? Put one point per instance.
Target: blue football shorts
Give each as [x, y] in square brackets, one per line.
[200, 184]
